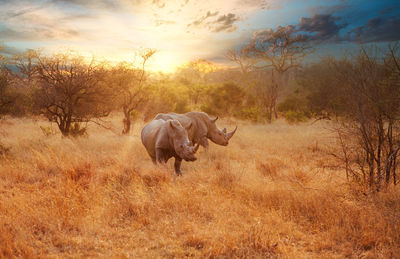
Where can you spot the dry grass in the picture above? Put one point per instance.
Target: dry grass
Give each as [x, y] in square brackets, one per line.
[265, 195]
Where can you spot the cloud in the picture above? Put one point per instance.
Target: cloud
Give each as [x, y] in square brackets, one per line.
[261, 4]
[263, 34]
[13, 14]
[160, 22]
[330, 9]
[159, 3]
[202, 19]
[92, 4]
[377, 29]
[317, 28]
[225, 23]
[9, 51]
[388, 10]
[221, 23]
[39, 34]
[322, 27]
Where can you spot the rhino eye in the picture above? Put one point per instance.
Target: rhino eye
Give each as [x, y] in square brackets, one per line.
[181, 146]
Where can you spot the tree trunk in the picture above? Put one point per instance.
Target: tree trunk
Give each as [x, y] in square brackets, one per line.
[274, 94]
[275, 113]
[127, 123]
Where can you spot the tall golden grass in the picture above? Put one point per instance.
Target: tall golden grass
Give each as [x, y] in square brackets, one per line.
[273, 192]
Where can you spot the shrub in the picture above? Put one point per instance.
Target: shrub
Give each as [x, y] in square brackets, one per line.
[251, 113]
[295, 103]
[226, 99]
[295, 117]
[77, 131]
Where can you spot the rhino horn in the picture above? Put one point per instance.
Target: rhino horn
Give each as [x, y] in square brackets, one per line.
[214, 120]
[230, 134]
[196, 148]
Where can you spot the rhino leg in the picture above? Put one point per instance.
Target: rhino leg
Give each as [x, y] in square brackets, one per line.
[154, 160]
[177, 165]
[160, 157]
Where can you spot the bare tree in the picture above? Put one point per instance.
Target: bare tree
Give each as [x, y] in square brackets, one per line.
[243, 57]
[70, 91]
[278, 50]
[6, 99]
[129, 84]
[371, 119]
[26, 63]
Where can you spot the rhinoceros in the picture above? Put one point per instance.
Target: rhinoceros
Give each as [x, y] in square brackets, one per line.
[164, 139]
[200, 127]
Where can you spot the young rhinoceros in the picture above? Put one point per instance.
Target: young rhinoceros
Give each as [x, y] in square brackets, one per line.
[164, 139]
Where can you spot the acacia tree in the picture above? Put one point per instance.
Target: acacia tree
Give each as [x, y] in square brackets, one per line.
[278, 50]
[129, 84]
[70, 91]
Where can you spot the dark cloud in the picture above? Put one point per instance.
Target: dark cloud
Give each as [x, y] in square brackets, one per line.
[269, 32]
[322, 27]
[221, 23]
[377, 29]
[330, 9]
[226, 23]
[389, 9]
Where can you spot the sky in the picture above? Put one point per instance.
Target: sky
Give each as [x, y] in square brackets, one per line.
[185, 30]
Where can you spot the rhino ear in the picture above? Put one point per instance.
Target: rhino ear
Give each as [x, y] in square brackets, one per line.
[214, 120]
[172, 124]
[190, 126]
[224, 130]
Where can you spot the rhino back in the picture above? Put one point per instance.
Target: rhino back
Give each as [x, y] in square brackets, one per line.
[200, 121]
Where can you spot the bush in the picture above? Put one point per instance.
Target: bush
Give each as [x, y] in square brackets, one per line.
[181, 106]
[4, 150]
[295, 117]
[226, 99]
[77, 131]
[134, 115]
[295, 103]
[251, 113]
[47, 131]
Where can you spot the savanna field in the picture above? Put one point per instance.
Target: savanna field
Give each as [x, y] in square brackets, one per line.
[273, 192]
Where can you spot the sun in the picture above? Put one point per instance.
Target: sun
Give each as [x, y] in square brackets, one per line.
[164, 62]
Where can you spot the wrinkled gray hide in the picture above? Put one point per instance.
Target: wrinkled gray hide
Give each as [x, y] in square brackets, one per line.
[164, 139]
[200, 127]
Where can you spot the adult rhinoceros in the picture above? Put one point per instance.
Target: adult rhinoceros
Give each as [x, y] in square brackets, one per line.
[200, 127]
[164, 139]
